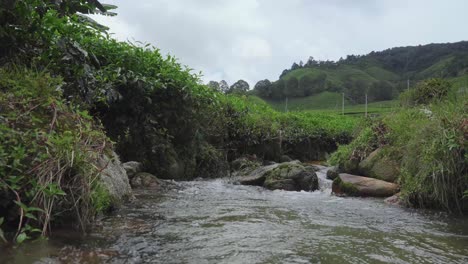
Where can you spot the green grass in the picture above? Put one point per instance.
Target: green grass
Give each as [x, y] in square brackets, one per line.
[337, 76]
[328, 102]
[381, 74]
[436, 69]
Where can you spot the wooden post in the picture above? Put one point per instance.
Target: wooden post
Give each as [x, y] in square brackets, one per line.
[342, 105]
[366, 105]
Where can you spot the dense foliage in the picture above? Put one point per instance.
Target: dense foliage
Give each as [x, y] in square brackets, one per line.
[48, 156]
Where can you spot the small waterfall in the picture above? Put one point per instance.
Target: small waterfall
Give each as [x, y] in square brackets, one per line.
[324, 183]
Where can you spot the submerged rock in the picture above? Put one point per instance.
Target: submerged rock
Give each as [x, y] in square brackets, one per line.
[352, 185]
[145, 180]
[132, 168]
[380, 167]
[114, 178]
[394, 200]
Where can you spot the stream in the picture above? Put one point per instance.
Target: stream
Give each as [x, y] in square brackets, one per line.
[219, 222]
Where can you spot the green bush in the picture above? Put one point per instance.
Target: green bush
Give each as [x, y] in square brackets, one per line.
[347, 157]
[425, 92]
[46, 157]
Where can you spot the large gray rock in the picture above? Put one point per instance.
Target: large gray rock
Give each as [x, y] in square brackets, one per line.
[132, 168]
[257, 176]
[352, 185]
[291, 177]
[114, 178]
[380, 167]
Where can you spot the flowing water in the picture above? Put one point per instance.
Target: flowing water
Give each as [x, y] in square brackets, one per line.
[218, 222]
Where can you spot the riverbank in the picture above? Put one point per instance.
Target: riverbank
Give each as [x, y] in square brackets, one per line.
[422, 147]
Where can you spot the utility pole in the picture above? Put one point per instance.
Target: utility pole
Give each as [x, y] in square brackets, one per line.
[342, 105]
[366, 105]
[286, 105]
[407, 84]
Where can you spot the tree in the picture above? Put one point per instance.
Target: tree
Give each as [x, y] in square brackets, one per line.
[306, 84]
[292, 88]
[214, 85]
[223, 86]
[263, 88]
[320, 83]
[277, 89]
[295, 66]
[310, 62]
[239, 87]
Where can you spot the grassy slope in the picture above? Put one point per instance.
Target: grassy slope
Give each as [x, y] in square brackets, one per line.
[329, 102]
[338, 75]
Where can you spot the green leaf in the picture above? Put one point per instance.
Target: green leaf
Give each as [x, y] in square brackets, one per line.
[21, 238]
[30, 216]
[22, 205]
[35, 209]
[2, 237]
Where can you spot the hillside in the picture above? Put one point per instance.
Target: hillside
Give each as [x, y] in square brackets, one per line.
[382, 75]
[331, 102]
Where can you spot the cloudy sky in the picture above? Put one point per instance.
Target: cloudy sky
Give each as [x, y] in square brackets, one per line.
[257, 39]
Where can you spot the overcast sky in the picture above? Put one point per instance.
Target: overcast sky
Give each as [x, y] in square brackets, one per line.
[257, 39]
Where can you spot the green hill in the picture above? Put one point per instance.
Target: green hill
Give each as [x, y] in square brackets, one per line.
[381, 75]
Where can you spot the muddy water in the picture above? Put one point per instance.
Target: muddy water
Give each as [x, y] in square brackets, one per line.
[218, 222]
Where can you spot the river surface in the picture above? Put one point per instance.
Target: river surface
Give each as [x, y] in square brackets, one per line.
[219, 222]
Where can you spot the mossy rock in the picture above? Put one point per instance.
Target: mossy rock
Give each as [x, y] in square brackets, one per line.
[380, 166]
[291, 177]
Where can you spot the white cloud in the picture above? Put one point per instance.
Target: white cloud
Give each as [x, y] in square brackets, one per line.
[257, 39]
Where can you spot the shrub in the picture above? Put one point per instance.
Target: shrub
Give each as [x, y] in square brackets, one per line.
[46, 157]
[426, 92]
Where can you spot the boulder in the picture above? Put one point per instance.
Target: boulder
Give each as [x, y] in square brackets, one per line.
[291, 177]
[132, 168]
[114, 178]
[333, 173]
[257, 176]
[145, 180]
[285, 158]
[380, 167]
[352, 185]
